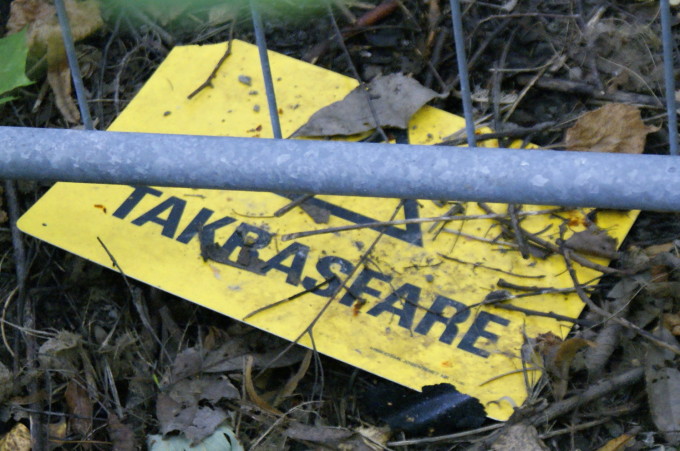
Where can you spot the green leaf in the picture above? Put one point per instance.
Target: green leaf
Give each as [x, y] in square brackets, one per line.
[13, 53]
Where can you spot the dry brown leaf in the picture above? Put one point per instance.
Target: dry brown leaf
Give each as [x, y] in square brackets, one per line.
[80, 405]
[18, 439]
[189, 406]
[44, 38]
[663, 388]
[58, 431]
[252, 393]
[557, 357]
[519, 437]
[394, 99]
[122, 436]
[616, 127]
[292, 383]
[617, 444]
[671, 322]
[593, 241]
[327, 437]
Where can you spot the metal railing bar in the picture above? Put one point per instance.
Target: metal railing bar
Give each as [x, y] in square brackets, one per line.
[583, 179]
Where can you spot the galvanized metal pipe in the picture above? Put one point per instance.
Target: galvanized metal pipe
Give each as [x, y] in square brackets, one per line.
[545, 177]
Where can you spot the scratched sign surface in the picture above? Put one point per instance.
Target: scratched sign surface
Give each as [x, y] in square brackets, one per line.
[410, 311]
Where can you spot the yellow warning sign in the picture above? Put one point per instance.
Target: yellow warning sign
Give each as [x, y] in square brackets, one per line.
[413, 299]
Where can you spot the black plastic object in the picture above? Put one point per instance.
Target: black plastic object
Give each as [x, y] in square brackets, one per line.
[439, 409]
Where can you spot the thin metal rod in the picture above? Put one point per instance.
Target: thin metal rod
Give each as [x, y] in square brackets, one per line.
[73, 64]
[266, 70]
[461, 59]
[669, 77]
[545, 177]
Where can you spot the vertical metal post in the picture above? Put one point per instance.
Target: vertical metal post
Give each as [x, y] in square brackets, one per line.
[463, 72]
[73, 64]
[669, 77]
[266, 70]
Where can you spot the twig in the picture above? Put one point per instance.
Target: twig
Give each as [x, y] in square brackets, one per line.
[602, 388]
[556, 316]
[333, 295]
[136, 297]
[577, 87]
[607, 315]
[448, 437]
[367, 225]
[382, 10]
[552, 247]
[479, 238]
[518, 132]
[519, 236]
[208, 82]
[26, 313]
[289, 298]
[490, 268]
[289, 206]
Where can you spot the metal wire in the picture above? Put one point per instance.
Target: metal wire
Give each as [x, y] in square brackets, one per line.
[461, 59]
[266, 71]
[669, 76]
[73, 64]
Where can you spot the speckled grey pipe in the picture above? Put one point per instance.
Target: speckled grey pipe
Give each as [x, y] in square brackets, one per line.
[650, 182]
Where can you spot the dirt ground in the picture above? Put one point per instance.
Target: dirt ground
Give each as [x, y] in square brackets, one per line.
[535, 67]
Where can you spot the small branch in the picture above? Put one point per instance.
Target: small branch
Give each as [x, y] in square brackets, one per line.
[208, 82]
[603, 388]
[293, 236]
[576, 87]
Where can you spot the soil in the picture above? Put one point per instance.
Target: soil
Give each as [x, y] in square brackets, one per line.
[86, 311]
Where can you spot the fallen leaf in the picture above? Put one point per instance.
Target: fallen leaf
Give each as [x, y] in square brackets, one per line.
[329, 437]
[183, 407]
[58, 431]
[17, 439]
[39, 17]
[618, 443]
[519, 437]
[663, 388]
[593, 241]
[616, 127]
[292, 383]
[671, 322]
[557, 358]
[6, 383]
[80, 405]
[394, 98]
[121, 435]
[252, 392]
[60, 353]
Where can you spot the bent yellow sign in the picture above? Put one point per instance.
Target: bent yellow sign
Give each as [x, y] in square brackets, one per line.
[411, 310]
